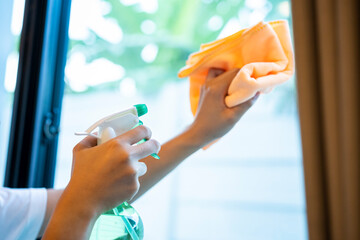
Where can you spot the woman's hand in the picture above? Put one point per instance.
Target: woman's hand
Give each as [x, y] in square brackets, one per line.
[213, 118]
[103, 177]
[107, 175]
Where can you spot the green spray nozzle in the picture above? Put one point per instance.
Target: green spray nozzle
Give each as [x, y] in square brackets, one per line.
[142, 110]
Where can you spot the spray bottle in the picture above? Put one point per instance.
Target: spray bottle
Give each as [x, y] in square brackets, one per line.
[122, 222]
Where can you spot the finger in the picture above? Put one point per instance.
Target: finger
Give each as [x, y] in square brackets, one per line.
[129, 200]
[135, 135]
[243, 107]
[224, 80]
[140, 168]
[144, 149]
[213, 73]
[87, 142]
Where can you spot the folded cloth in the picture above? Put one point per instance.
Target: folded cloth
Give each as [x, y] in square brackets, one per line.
[263, 53]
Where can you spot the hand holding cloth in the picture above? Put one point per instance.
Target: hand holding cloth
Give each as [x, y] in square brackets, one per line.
[263, 53]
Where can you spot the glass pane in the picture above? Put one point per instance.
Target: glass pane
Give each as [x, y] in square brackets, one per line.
[11, 17]
[129, 51]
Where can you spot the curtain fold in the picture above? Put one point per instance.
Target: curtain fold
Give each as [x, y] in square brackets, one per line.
[326, 40]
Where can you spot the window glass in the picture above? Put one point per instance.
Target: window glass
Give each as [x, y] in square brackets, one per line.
[11, 17]
[249, 185]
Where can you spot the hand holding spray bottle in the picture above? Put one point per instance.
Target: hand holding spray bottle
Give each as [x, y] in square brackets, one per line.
[122, 222]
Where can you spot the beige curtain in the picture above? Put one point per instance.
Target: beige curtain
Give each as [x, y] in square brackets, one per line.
[326, 37]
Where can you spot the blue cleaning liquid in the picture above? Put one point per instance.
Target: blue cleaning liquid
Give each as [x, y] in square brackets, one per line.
[114, 224]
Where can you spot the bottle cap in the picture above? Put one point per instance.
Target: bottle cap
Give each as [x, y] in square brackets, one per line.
[141, 109]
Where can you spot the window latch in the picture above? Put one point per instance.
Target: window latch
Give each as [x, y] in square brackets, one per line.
[50, 128]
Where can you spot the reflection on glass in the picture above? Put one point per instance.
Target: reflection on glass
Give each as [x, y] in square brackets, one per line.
[127, 52]
[11, 17]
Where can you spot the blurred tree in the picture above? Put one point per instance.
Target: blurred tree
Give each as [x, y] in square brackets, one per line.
[167, 35]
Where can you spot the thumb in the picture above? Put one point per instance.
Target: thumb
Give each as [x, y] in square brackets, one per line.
[224, 80]
[243, 107]
[213, 73]
[87, 142]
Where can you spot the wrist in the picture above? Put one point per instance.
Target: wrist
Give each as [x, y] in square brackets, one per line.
[76, 201]
[72, 217]
[195, 136]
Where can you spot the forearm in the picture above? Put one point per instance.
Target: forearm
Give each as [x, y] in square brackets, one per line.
[71, 218]
[53, 195]
[172, 153]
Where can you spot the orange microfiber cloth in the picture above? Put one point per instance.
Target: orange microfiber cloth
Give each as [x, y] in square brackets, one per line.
[263, 53]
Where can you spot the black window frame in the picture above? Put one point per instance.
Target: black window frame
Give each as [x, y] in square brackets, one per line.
[33, 141]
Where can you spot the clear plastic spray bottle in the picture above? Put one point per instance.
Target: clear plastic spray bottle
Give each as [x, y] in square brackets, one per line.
[122, 222]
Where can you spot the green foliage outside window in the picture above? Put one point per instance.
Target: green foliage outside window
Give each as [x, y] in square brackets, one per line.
[181, 26]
